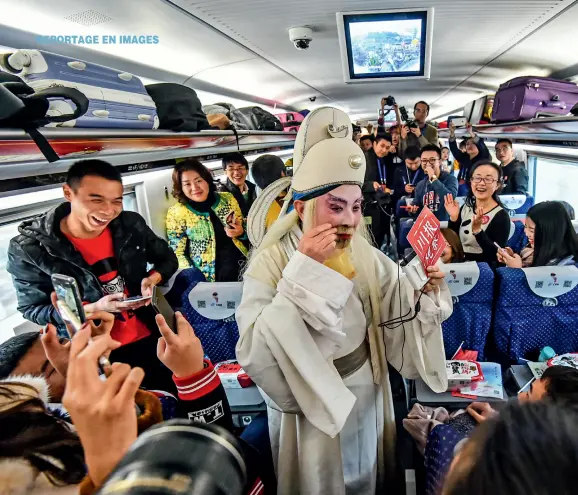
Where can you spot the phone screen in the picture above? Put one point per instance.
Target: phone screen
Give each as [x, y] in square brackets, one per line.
[67, 291]
[162, 307]
[230, 218]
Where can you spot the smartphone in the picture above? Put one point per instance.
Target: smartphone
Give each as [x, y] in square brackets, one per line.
[72, 312]
[67, 291]
[162, 307]
[136, 298]
[460, 122]
[230, 219]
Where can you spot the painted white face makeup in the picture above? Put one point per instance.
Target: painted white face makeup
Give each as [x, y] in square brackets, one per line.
[341, 208]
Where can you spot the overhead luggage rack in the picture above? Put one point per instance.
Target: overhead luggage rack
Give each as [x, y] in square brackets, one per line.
[19, 155]
[561, 130]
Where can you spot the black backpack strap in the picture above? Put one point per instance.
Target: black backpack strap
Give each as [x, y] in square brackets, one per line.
[43, 144]
[72, 94]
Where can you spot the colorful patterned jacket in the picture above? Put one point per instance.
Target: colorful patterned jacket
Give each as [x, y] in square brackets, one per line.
[192, 237]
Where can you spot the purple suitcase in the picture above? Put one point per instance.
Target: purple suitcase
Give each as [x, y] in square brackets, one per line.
[524, 98]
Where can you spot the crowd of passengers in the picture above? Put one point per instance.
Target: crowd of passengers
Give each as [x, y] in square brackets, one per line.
[408, 169]
[62, 426]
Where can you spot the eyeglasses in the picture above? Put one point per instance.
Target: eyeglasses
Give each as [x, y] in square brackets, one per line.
[431, 161]
[485, 180]
[236, 169]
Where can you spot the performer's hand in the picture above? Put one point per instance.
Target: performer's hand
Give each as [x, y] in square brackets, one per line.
[436, 278]
[319, 243]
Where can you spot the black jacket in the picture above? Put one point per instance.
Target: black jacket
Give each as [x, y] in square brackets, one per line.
[515, 178]
[372, 173]
[236, 192]
[466, 163]
[41, 250]
[403, 176]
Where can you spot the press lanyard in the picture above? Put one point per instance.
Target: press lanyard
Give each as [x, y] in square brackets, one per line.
[382, 171]
[408, 179]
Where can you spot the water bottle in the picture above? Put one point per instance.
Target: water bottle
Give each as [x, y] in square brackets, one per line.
[546, 354]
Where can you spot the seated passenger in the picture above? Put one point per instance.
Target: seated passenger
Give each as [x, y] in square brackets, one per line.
[406, 177]
[481, 221]
[558, 384]
[265, 170]
[365, 142]
[476, 151]
[106, 250]
[529, 448]
[436, 185]
[236, 168]
[514, 171]
[552, 239]
[205, 228]
[105, 436]
[453, 252]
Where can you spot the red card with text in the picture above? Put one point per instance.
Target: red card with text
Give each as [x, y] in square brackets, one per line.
[426, 238]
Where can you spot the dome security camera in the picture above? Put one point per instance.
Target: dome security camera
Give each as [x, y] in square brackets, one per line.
[301, 37]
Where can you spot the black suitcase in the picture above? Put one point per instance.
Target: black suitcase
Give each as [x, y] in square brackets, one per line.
[178, 107]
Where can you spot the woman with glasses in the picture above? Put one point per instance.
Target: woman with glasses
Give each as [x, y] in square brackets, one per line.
[205, 227]
[481, 222]
[551, 238]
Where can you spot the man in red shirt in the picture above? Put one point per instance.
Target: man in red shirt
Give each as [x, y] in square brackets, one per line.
[107, 251]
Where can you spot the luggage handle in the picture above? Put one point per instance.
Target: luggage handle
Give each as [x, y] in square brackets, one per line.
[78, 98]
[554, 102]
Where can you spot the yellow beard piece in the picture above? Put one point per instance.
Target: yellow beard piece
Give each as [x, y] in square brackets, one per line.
[341, 263]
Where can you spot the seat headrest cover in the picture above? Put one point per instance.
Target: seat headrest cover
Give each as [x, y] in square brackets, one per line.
[551, 281]
[513, 201]
[216, 300]
[325, 153]
[461, 277]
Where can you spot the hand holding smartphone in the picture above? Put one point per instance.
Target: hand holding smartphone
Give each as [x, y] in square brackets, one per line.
[69, 305]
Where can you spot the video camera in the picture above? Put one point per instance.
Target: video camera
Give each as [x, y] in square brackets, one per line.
[390, 101]
[179, 457]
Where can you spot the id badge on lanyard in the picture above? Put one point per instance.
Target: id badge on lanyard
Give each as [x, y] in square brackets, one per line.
[382, 172]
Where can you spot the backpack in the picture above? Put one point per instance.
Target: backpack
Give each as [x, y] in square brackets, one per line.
[259, 119]
[178, 107]
[22, 107]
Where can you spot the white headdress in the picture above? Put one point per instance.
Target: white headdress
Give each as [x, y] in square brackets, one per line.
[325, 157]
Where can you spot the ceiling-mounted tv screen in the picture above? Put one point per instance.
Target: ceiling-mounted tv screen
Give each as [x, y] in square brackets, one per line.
[386, 44]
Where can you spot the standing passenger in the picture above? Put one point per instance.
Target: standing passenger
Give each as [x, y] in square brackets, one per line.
[514, 171]
[205, 228]
[476, 150]
[315, 293]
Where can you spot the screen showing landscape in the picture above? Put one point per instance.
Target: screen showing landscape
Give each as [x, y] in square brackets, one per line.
[386, 45]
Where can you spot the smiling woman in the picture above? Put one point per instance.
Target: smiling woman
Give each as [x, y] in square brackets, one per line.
[205, 228]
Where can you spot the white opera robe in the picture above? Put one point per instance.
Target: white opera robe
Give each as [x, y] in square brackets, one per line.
[332, 435]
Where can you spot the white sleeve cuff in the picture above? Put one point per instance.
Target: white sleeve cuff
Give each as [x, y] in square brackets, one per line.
[318, 279]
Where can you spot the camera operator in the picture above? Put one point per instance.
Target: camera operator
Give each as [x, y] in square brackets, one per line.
[417, 132]
[377, 185]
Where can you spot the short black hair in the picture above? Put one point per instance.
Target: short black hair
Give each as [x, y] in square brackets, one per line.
[366, 136]
[234, 158]
[505, 140]
[267, 169]
[445, 148]
[383, 136]
[463, 142]
[530, 447]
[561, 384]
[431, 147]
[412, 153]
[91, 168]
[13, 350]
[422, 103]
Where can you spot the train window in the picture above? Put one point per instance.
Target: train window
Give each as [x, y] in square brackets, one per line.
[10, 318]
[555, 179]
